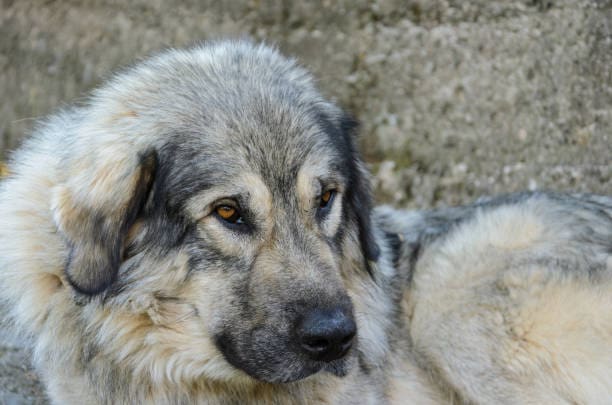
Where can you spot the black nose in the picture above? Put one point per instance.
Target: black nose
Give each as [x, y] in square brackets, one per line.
[326, 334]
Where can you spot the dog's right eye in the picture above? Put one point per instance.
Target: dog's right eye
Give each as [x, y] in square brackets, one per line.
[326, 199]
[229, 214]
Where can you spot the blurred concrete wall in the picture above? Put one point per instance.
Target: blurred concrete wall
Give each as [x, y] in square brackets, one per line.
[456, 98]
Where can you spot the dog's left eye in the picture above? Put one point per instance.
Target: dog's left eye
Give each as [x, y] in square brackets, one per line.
[326, 199]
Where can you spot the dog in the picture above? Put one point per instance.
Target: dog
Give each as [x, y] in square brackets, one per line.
[202, 231]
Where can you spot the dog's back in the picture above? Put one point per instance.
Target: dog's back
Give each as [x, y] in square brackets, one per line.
[510, 300]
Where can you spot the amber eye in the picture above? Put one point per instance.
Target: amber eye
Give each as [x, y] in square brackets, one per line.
[326, 198]
[228, 214]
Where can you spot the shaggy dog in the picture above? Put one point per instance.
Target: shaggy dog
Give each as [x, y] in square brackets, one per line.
[201, 232]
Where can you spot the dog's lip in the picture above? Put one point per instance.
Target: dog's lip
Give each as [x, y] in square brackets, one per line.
[339, 368]
[301, 376]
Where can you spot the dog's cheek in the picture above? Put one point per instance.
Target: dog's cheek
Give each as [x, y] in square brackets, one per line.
[219, 308]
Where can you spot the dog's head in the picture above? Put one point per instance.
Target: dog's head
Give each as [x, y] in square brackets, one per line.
[216, 211]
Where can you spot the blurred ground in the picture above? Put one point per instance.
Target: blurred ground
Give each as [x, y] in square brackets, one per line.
[457, 98]
[19, 384]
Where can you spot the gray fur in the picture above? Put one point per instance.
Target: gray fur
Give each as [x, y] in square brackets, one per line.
[134, 290]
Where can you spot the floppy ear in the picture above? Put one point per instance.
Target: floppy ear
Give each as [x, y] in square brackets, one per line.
[362, 206]
[94, 210]
[360, 194]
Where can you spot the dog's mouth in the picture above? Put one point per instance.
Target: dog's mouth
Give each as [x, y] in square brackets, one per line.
[283, 363]
[338, 368]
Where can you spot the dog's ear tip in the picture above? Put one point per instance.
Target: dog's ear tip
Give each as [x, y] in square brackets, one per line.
[87, 276]
[91, 289]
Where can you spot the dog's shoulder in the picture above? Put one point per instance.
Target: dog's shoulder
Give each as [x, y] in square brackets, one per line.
[509, 298]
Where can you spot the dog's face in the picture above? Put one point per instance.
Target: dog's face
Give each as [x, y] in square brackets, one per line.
[268, 227]
[242, 219]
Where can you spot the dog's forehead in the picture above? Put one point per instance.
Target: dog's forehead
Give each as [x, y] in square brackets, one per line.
[277, 154]
[216, 112]
[275, 139]
[246, 112]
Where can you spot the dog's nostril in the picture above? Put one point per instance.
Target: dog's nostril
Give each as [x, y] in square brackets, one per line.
[316, 344]
[326, 335]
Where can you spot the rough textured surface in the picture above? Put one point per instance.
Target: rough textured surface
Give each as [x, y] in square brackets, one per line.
[19, 384]
[457, 98]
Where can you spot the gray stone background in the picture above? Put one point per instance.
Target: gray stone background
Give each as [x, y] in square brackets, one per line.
[457, 99]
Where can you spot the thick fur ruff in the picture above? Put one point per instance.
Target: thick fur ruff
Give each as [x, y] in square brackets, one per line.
[118, 263]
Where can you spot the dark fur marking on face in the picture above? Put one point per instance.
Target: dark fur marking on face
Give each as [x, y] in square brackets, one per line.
[412, 252]
[395, 244]
[177, 178]
[335, 242]
[166, 223]
[231, 350]
[357, 196]
[363, 366]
